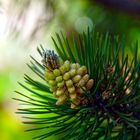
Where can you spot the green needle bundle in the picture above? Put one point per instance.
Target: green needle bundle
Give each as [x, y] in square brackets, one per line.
[88, 90]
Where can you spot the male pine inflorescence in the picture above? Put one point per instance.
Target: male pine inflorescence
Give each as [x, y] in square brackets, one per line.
[66, 80]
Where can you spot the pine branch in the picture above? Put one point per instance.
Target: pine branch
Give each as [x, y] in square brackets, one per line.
[106, 109]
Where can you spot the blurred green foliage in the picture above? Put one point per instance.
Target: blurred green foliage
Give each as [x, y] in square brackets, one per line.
[10, 128]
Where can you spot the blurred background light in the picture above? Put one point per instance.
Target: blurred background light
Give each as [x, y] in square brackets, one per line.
[83, 23]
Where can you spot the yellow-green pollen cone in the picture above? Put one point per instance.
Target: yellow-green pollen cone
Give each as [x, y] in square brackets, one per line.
[66, 80]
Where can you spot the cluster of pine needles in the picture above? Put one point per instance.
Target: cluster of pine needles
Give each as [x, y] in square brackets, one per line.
[113, 108]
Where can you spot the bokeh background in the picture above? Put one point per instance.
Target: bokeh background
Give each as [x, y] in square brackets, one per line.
[25, 24]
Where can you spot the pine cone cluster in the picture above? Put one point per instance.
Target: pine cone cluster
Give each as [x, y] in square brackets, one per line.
[67, 81]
